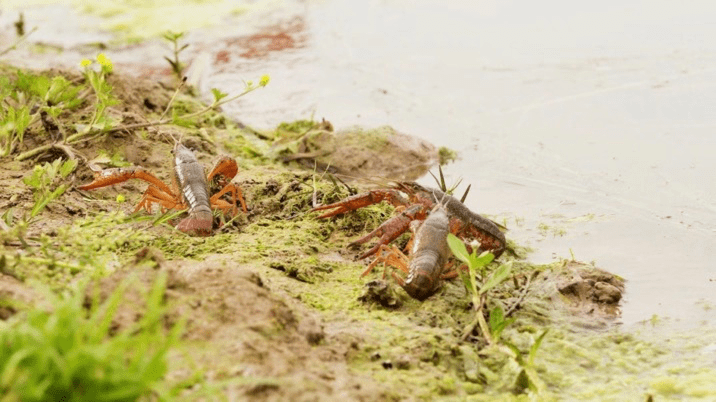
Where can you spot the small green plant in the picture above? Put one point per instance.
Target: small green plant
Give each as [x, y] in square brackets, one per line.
[498, 322]
[46, 98]
[32, 98]
[478, 282]
[116, 160]
[20, 25]
[54, 93]
[49, 98]
[103, 95]
[61, 96]
[444, 188]
[13, 123]
[527, 377]
[177, 66]
[70, 354]
[44, 182]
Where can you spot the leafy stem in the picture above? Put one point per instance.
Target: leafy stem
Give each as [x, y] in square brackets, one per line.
[478, 284]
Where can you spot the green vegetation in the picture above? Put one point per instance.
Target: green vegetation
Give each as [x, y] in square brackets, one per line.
[49, 99]
[446, 155]
[177, 66]
[478, 283]
[88, 246]
[46, 97]
[46, 176]
[70, 354]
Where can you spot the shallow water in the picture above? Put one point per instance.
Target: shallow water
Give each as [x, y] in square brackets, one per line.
[589, 120]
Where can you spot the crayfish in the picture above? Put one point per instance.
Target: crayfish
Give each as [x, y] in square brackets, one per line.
[430, 222]
[189, 189]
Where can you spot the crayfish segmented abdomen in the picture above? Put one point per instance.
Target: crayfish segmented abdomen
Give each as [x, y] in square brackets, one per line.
[429, 255]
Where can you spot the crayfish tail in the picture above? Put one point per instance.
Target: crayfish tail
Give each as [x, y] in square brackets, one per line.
[196, 226]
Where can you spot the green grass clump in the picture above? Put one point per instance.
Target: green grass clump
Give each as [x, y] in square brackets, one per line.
[71, 355]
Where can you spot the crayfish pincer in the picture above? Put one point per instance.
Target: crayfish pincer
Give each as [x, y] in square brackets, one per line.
[190, 189]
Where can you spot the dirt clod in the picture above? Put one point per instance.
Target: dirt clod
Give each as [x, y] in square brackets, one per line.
[381, 292]
[403, 362]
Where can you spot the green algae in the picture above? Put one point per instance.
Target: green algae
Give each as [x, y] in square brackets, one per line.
[611, 366]
[91, 246]
[380, 153]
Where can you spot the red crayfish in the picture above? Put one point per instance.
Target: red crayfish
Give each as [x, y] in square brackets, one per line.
[190, 189]
[430, 222]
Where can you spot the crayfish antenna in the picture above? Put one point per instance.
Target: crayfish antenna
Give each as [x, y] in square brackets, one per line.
[442, 202]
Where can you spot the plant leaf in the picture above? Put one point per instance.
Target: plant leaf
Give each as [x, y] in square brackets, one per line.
[535, 347]
[483, 259]
[218, 95]
[497, 317]
[497, 277]
[458, 249]
[42, 202]
[68, 167]
[518, 355]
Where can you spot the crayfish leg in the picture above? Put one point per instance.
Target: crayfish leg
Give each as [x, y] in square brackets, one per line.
[236, 195]
[155, 195]
[392, 228]
[108, 177]
[362, 200]
[389, 256]
[226, 169]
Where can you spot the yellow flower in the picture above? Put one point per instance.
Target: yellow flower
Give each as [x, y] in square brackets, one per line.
[104, 61]
[85, 62]
[264, 80]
